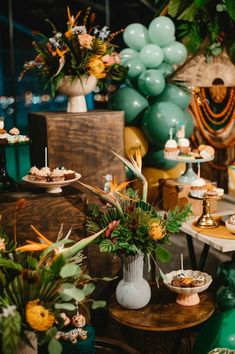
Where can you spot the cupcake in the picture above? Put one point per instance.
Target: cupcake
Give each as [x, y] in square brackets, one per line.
[33, 173]
[57, 175]
[42, 176]
[46, 170]
[171, 150]
[198, 188]
[184, 146]
[69, 174]
[14, 131]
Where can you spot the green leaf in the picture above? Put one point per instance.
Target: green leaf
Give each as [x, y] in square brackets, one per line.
[32, 262]
[9, 264]
[54, 346]
[66, 306]
[64, 296]
[109, 279]
[162, 254]
[73, 293]
[88, 289]
[230, 5]
[98, 304]
[70, 270]
[201, 3]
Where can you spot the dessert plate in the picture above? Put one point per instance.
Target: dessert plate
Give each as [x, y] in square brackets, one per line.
[52, 187]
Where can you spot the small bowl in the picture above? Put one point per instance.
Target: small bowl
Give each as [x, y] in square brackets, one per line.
[230, 227]
[187, 296]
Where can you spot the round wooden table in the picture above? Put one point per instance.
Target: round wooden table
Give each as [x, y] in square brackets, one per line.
[162, 326]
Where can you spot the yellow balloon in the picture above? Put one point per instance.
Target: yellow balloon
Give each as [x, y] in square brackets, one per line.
[134, 137]
[153, 175]
[177, 171]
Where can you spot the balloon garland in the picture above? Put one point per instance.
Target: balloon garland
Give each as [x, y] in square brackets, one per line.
[151, 105]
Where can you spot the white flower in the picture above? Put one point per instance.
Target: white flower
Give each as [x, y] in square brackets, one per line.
[79, 29]
[8, 311]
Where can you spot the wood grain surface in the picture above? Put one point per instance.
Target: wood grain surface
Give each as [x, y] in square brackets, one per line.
[79, 141]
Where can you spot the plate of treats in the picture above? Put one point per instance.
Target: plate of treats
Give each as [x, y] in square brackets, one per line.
[187, 284]
[51, 179]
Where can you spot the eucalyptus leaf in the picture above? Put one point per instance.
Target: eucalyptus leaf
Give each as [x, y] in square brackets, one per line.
[88, 289]
[54, 346]
[163, 255]
[98, 304]
[64, 296]
[73, 293]
[66, 306]
[70, 270]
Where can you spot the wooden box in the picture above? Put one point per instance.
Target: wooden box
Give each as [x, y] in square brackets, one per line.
[79, 141]
[174, 193]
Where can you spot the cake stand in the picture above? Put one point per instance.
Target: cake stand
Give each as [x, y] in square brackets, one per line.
[187, 296]
[189, 175]
[52, 187]
[206, 221]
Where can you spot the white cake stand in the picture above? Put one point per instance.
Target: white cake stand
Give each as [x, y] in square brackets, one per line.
[189, 175]
[52, 187]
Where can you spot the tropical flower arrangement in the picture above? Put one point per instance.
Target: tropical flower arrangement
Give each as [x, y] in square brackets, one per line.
[132, 225]
[38, 282]
[82, 49]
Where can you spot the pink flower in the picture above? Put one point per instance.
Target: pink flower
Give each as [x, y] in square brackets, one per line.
[110, 59]
[85, 40]
[111, 227]
[2, 244]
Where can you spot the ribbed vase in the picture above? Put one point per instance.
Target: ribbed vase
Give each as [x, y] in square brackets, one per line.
[25, 348]
[133, 291]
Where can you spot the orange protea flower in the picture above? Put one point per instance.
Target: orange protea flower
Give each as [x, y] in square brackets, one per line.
[156, 229]
[96, 67]
[38, 317]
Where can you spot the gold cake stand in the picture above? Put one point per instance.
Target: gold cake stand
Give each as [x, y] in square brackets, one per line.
[206, 221]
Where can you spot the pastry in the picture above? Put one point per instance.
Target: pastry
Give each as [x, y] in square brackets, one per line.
[198, 188]
[57, 175]
[33, 172]
[206, 151]
[171, 150]
[69, 174]
[184, 146]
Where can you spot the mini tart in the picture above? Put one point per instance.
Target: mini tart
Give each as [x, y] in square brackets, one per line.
[69, 174]
[57, 175]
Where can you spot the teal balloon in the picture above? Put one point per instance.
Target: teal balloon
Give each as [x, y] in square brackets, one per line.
[158, 119]
[128, 53]
[136, 36]
[151, 82]
[166, 68]
[175, 53]
[218, 332]
[188, 121]
[155, 158]
[136, 67]
[131, 102]
[176, 95]
[151, 55]
[162, 30]
[225, 298]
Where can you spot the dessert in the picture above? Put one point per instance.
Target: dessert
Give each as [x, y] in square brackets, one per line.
[180, 281]
[45, 174]
[230, 224]
[171, 150]
[198, 188]
[14, 131]
[57, 175]
[69, 174]
[184, 146]
[33, 172]
[206, 151]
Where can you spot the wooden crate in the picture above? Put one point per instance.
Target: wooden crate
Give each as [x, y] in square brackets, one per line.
[79, 141]
[173, 193]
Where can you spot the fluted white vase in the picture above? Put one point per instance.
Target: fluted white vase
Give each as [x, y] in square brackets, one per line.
[25, 348]
[75, 88]
[133, 291]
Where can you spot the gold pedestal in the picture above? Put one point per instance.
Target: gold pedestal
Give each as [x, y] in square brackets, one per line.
[206, 221]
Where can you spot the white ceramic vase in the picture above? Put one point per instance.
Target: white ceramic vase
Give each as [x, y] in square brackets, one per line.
[133, 291]
[76, 88]
[25, 348]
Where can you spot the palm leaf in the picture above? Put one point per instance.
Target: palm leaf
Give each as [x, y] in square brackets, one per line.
[182, 9]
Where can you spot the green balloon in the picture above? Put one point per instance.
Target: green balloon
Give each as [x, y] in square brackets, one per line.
[175, 53]
[136, 36]
[155, 158]
[128, 53]
[218, 332]
[162, 30]
[151, 55]
[188, 121]
[176, 95]
[165, 68]
[225, 298]
[158, 119]
[151, 82]
[136, 67]
[131, 102]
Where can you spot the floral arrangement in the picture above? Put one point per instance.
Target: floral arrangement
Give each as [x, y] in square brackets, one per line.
[38, 282]
[132, 225]
[82, 49]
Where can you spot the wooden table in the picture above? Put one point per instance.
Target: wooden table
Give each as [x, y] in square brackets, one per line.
[162, 326]
[225, 207]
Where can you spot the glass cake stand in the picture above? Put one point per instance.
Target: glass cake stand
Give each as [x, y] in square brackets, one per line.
[189, 175]
[206, 221]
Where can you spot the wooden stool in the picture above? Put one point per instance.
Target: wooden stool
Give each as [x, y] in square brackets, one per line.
[163, 326]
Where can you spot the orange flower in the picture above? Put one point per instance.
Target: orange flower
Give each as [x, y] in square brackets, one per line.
[156, 230]
[96, 67]
[38, 317]
[85, 40]
[35, 246]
